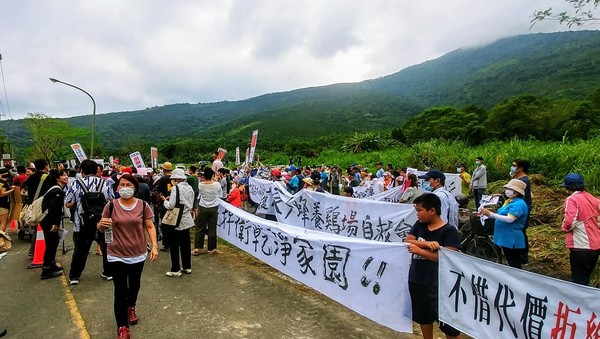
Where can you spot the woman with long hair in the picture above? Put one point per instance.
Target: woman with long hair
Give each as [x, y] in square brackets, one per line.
[412, 191]
[123, 223]
[54, 203]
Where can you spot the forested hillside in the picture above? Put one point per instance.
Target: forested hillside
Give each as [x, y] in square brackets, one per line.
[559, 72]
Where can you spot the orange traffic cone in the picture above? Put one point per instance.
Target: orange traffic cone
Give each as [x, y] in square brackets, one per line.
[40, 248]
[13, 228]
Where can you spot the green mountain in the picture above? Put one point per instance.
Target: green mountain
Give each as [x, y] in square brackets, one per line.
[556, 65]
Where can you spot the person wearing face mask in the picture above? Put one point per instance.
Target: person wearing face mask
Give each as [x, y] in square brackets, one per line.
[434, 182]
[128, 220]
[519, 170]
[510, 222]
[478, 181]
[465, 178]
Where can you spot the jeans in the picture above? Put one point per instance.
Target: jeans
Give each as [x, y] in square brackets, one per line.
[207, 224]
[583, 263]
[126, 279]
[180, 240]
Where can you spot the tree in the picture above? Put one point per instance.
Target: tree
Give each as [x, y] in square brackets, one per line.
[49, 135]
[447, 123]
[583, 13]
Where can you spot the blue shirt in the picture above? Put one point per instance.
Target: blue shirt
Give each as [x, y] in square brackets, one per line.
[511, 235]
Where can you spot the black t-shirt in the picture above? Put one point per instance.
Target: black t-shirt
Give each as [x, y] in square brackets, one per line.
[424, 271]
[164, 185]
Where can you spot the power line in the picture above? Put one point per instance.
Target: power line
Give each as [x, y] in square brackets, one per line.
[5, 93]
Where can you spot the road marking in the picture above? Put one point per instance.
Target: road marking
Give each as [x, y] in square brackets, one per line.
[77, 318]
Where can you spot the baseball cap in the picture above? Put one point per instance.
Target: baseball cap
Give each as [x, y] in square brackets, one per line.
[435, 174]
[573, 179]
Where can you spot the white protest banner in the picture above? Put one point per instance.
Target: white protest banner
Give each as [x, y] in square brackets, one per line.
[453, 181]
[79, 153]
[361, 192]
[351, 217]
[237, 155]
[391, 195]
[73, 163]
[136, 160]
[368, 277]
[154, 157]
[253, 146]
[489, 300]
[111, 160]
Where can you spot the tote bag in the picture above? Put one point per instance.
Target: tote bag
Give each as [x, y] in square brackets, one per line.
[173, 216]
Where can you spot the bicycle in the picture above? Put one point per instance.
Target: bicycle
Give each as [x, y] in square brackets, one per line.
[476, 239]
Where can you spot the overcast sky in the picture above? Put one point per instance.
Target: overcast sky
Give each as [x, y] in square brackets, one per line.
[130, 55]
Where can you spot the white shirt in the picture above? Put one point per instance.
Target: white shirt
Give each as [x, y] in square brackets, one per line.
[209, 194]
[449, 212]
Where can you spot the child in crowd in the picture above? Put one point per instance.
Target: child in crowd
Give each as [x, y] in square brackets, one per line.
[425, 238]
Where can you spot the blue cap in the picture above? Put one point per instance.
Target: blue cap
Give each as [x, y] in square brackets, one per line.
[435, 174]
[573, 179]
[292, 168]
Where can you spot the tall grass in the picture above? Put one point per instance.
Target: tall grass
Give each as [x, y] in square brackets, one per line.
[553, 160]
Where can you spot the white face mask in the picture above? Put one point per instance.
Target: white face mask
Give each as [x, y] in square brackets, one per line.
[126, 192]
[509, 193]
[458, 170]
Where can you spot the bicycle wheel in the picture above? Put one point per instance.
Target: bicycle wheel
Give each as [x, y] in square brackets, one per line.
[483, 248]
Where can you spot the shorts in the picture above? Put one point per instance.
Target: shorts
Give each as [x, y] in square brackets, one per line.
[424, 300]
[3, 211]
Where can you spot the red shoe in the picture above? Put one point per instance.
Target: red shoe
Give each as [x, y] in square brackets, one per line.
[131, 316]
[123, 333]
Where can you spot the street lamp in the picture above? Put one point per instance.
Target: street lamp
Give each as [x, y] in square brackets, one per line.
[93, 113]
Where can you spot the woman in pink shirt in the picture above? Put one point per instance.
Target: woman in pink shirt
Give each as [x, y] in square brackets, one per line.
[582, 228]
[128, 219]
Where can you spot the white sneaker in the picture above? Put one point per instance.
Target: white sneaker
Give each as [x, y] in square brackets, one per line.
[73, 281]
[186, 271]
[107, 277]
[173, 274]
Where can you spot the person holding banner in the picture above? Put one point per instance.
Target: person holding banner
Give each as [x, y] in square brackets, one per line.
[510, 222]
[424, 240]
[581, 226]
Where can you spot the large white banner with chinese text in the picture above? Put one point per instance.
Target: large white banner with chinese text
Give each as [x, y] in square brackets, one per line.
[489, 300]
[350, 217]
[370, 278]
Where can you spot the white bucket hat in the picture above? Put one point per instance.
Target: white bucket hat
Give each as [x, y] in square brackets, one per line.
[178, 174]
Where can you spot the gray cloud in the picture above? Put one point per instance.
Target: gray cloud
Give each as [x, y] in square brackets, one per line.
[134, 54]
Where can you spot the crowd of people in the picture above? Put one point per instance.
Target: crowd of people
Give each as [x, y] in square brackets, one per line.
[127, 211]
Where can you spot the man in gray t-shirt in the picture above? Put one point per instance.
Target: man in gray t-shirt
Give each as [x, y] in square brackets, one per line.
[478, 181]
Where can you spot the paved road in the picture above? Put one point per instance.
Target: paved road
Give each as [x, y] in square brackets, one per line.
[228, 295]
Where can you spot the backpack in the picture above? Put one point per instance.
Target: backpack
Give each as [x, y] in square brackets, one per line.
[35, 213]
[92, 203]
